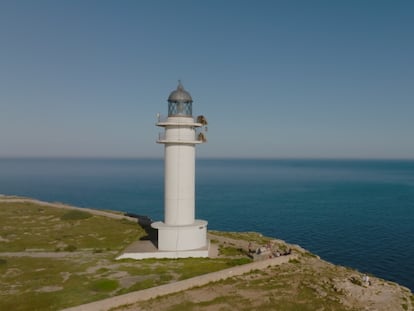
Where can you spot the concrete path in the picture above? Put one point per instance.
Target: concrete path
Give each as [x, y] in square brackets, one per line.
[179, 286]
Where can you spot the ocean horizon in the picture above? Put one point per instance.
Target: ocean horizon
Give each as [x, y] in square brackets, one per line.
[352, 212]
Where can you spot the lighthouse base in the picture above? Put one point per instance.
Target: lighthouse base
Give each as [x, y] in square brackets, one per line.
[181, 238]
[173, 242]
[145, 249]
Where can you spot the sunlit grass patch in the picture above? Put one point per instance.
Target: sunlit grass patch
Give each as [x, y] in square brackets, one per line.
[104, 285]
[75, 215]
[91, 273]
[28, 226]
[231, 251]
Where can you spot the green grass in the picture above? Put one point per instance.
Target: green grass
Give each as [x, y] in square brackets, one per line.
[287, 288]
[193, 267]
[231, 251]
[75, 215]
[23, 226]
[92, 273]
[26, 278]
[185, 268]
[70, 248]
[148, 283]
[104, 285]
[238, 261]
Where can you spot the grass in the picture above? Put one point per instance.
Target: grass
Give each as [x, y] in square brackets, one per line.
[70, 248]
[104, 285]
[91, 272]
[308, 254]
[288, 287]
[28, 283]
[245, 236]
[147, 283]
[24, 225]
[231, 251]
[239, 261]
[75, 215]
[24, 283]
[226, 302]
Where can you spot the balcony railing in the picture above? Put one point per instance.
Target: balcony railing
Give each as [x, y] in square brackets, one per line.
[163, 119]
[199, 119]
[200, 137]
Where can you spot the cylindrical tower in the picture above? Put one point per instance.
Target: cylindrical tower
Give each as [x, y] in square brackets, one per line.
[180, 230]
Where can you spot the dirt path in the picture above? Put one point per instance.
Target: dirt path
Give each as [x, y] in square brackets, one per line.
[41, 254]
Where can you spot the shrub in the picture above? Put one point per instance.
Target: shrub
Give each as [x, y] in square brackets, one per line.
[70, 248]
[75, 215]
[355, 281]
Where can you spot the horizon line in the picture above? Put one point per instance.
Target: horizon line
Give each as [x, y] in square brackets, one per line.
[80, 157]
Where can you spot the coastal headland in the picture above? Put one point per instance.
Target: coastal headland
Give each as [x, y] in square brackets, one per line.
[55, 256]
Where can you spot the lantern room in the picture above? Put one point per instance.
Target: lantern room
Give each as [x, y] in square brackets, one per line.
[180, 103]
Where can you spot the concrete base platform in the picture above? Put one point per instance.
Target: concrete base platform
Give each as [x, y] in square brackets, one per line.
[172, 238]
[146, 249]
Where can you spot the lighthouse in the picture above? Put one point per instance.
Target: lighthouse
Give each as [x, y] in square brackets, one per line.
[180, 232]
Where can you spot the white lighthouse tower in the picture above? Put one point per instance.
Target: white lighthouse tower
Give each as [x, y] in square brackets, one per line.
[180, 232]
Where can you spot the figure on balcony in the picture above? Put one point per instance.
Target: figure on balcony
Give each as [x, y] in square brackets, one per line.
[202, 120]
[202, 137]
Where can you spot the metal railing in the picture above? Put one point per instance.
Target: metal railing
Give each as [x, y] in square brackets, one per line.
[163, 119]
[200, 136]
[199, 119]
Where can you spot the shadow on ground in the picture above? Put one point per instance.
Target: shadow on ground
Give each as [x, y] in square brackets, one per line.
[145, 222]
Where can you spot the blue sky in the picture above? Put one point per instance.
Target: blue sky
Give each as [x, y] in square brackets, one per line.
[275, 79]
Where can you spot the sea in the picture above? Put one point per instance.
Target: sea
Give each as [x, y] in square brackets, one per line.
[355, 213]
